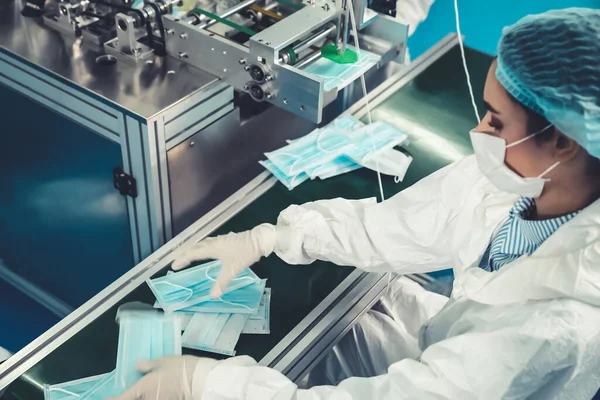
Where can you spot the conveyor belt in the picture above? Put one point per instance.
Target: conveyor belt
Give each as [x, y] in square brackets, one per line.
[430, 102]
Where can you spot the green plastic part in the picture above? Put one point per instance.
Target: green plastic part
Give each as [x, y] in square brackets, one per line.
[233, 25]
[330, 52]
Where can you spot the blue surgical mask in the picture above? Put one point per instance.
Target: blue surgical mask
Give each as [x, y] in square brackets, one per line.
[289, 182]
[103, 388]
[215, 333]
[337, 166]
[373, 138]
[144, 335]
[339, 76]
[191, 286]
[72, 390]
[319, 147]
[259, 322]
[245, 300]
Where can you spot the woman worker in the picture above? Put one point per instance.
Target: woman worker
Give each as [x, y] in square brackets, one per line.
[519, 222]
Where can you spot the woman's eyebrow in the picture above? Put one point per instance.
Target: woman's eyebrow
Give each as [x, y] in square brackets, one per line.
[490, 108]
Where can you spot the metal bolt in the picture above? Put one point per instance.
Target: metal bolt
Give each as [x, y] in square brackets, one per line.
[192, 143]
[269, 77]
[301, 108]
[242, 61]
[224, 69]
[247, 68]
[183, 36]
[170, 32]
[183, 55]
[137, 50]
[224, 52]
[268, 95]
[285, 101]
[246, 87]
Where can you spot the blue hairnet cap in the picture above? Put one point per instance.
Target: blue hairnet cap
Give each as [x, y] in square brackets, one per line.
[550, 62]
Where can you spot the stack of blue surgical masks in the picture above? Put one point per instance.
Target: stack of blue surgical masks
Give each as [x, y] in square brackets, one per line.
[143, 335]
[213, 325]
[344, 145]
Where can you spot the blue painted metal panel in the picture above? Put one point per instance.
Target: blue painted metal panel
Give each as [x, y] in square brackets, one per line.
[63, 226]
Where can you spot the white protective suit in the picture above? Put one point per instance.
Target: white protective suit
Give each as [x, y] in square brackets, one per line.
[530, 330]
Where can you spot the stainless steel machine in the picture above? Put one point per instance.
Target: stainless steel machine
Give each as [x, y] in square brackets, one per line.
[123, 123]
[262, 54]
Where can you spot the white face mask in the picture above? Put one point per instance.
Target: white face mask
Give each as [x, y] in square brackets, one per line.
[490, 152]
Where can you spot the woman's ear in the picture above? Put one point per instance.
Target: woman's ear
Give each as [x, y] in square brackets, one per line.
[565, 148]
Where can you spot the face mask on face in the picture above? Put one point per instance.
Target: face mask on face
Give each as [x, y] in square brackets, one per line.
[490, 152]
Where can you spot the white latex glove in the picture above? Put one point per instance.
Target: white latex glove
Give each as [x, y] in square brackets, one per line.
[237, 251]
[169, 378]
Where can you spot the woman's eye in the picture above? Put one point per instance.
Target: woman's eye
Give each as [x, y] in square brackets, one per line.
[495, 124]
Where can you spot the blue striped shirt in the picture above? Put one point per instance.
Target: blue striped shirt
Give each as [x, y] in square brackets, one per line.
[519, 236]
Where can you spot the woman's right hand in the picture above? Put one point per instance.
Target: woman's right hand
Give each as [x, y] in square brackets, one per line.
[236, 251]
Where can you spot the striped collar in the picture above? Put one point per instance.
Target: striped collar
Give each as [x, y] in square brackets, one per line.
[534, 231]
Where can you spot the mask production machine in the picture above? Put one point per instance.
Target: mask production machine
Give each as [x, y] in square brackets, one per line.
[123, 123]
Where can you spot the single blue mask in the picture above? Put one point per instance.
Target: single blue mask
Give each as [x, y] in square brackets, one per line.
[215, 333]
[339, 76]
[289, 182]
[103, 388]
[337, 166]
[373, 138]
[259, 322]
[72, 390]
[317, 148]
[144, 335]
[191, 286]
[245, 300]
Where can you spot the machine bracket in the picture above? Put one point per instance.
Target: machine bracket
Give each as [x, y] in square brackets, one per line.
[124, 183]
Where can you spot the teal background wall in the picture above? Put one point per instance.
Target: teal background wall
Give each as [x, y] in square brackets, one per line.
[481, 21]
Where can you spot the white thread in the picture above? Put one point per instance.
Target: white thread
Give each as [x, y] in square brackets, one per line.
[364, 90]
[178, 287]
[464, 60]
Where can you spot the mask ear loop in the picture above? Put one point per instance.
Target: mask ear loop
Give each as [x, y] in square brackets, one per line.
[225, 301]
[526, 138]
[178, 287]
[550, 169]
[64, 391]
[289, 155]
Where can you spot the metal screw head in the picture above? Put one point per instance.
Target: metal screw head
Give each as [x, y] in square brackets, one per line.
[170, 32]
[285, 101]
[268, 95]
[183, 36]
[247, 68]
[242, 61]
[224, 52]
[192, 143]
[269, 77]
[246, 87]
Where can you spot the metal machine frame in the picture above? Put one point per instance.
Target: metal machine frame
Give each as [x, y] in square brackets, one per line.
[144, 141]
[303, 347]
[268, 66]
